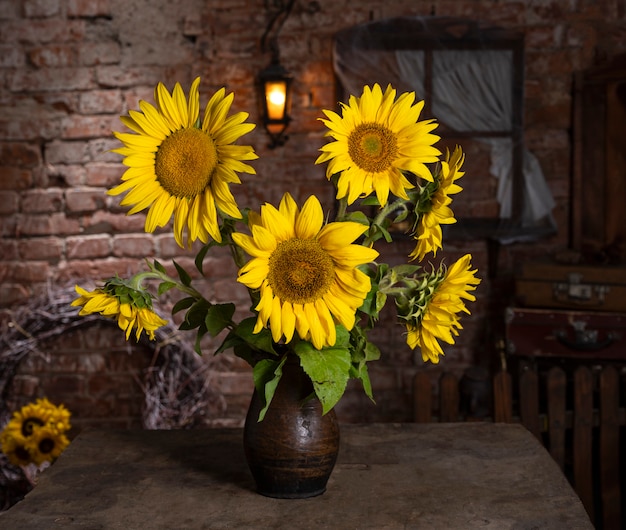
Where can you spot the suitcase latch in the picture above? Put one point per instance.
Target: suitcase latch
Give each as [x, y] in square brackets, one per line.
[575, 291]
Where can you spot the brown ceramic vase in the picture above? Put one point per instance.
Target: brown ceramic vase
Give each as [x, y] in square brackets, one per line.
[292, 452]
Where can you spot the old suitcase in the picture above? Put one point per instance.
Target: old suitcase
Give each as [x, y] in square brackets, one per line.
[585, 287]
[566, 334]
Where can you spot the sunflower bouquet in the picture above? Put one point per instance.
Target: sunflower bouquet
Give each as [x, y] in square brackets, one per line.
[36, 433]
[315, 285]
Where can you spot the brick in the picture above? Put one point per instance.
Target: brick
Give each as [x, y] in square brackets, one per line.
[103, 175]
[101, 270]
[40, 8]
[89, 8]
[97, 53]
[20, 154]
[102, 221]
[77, 127]
[85, 200]
[51, 79]
[25, 385]
[35, 124]
[70, 175]
[46, 248]
[9, 9]
[91, 363]
[119, 77]
[12, 178]
[43, 225]
[11, 293]
[8, 250]
[33, 271]
[66, 152]
[53, 55]
[42, 201]
[29, 31]
[133, 245]
[99, 150]
[83, 247]
[63, 386]
[9, 203]
[12, 57]
[100, 102]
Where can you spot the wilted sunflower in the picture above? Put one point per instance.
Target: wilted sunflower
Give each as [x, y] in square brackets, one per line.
[306, 272]
[439, 319]
[376, 139]
[180, 166]
[132, 308]
[436, 210]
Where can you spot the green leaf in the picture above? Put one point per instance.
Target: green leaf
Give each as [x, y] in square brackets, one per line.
[199, 261]
[267, 374]
[329, 370]
[159, 267]
[182, 274]
[358, 217]
[196, 314]
[261, 341]
[218, 317]
[385, 234]
[361, 372]
[201, 333]
[372, 200]
[164, 287]
[183, 303]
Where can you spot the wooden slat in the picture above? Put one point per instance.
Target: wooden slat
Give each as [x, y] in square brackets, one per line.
[422, 398]
[503, 398]
[529, 402]
[556, 414]
[448, 397]
[609, 447]
[582, 448]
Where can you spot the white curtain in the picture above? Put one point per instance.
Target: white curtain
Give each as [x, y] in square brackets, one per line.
[472, 91]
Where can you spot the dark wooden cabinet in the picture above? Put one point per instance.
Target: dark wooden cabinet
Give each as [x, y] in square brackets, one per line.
[599, 174]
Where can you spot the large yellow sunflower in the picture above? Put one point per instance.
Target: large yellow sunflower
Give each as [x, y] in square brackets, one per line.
[437, 211]
[376, 139]
[439, 320]
[180, 166]
[305, 270]
[125, 308]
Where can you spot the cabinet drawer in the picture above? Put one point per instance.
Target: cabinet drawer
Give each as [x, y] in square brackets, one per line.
[566, 334]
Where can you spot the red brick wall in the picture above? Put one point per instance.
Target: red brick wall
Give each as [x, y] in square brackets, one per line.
[69, 68]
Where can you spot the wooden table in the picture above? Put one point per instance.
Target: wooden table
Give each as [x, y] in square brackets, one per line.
[430, 476]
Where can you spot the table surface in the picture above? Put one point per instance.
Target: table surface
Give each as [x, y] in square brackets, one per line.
[431, 476]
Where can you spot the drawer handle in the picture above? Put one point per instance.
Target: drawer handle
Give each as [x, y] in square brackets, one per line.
[585, 340]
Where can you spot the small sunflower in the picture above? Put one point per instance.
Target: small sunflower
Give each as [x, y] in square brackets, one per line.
[376, 140]
[36, 433]
[45, 445]
[306, 272]
[132, 308]
[439, 319]
[180, 166]
[15, 447]
[435, 211]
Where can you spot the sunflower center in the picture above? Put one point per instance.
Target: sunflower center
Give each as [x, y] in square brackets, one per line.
[185, 162]
[300, 271]
[373, 147]
[29, 424]
[46, 445]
